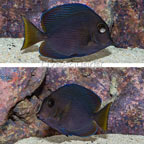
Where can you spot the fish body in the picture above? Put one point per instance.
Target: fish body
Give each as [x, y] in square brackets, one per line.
[74, 110]
[69, 30]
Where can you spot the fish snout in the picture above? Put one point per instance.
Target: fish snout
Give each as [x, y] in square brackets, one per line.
[114, 44]
[38, 116]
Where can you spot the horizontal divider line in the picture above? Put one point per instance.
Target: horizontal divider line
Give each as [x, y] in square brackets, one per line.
[53, 65]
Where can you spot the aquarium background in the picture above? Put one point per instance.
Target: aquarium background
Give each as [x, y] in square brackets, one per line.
[125, 18]
[23, 89]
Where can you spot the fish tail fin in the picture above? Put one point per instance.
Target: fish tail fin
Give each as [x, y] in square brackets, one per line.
[32, 34]
[101, 117]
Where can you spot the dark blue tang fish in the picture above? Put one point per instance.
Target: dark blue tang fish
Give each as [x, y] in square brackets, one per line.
[69, 30]
[74, 110]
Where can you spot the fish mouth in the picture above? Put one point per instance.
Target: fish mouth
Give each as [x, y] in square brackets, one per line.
[38, 116]
[113, 43]
[44, 120]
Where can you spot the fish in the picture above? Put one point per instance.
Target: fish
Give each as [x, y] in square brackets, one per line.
[74, 110]
[68, 30]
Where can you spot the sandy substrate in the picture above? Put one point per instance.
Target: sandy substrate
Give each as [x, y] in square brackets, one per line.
[10, 52]
[101, 139]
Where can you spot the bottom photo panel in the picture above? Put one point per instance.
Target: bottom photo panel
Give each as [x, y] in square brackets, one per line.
[71, 105]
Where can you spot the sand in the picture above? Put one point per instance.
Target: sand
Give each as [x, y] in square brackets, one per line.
[99, 139]
[10, 52]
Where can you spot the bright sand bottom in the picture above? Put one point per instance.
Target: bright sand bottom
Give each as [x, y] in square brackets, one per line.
[10, 52]
[99, 139]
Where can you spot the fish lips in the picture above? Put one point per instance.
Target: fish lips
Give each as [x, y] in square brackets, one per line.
[42, 118]
[113, 43]
[39, 117]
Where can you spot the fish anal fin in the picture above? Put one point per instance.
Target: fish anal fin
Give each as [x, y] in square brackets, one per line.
[32, 34]
[89, 130]
[46, 51]
[101, 117]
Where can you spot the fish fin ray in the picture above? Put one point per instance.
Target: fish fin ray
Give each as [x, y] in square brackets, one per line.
[32, 34]
[101, 117]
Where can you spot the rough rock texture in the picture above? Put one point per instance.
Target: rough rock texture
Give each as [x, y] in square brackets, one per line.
[127, 113]
[11, 24]
[15, 85]
[124, 86]
[128, 17]
[125, 18]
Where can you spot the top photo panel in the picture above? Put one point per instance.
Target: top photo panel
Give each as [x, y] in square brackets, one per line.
[98, 31]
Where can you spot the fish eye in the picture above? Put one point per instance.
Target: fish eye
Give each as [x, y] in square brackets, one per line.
[50, 102]
[101, 28]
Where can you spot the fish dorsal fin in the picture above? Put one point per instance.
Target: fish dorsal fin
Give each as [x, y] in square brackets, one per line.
[102, 117]
[54, 16]
[89, 130]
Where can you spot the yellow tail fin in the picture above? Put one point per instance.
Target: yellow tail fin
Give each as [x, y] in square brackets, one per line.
[32, 34]
[102, 117]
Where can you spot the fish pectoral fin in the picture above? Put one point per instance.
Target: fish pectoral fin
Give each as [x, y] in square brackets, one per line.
[101, 117]
[89, 130]
[46, 51]
[32, 34]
